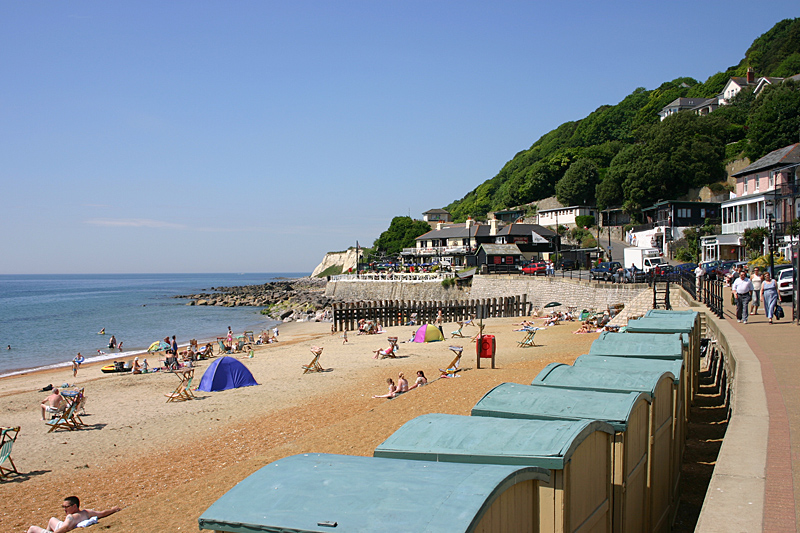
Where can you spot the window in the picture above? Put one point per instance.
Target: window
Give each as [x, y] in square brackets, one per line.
[771, 180]
[684, 213]
[703, 212]
[744, 184]
[757, 180]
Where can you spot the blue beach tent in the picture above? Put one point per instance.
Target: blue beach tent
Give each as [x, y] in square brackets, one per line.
[226, 373]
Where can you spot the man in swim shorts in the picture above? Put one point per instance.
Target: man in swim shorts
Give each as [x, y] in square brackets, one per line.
[76, 517]
[52, 404]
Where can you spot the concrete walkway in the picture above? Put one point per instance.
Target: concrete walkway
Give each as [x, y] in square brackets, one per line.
[777, 347]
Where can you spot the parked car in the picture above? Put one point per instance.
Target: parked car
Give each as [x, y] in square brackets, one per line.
[686, 267]
[708, 267]
[605, 270]
[534, 269]
[786, 284]
[722, 269]
[567, 264]
[637, 276]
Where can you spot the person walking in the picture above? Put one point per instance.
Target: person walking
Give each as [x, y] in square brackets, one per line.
[769, 295]
[756, 279]
[742, 289]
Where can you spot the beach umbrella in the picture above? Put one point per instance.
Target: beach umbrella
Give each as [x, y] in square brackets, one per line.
[552, 304]
[428, 333]
[158, 346]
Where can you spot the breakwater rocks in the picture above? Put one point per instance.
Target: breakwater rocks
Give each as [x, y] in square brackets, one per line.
[294, 299]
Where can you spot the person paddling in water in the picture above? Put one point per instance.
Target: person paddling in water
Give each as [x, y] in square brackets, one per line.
[102, 331]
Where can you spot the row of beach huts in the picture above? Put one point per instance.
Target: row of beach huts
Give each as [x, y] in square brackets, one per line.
[596, 446]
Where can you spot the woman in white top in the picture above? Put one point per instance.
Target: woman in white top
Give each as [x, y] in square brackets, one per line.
[421, 380]
[756, 280]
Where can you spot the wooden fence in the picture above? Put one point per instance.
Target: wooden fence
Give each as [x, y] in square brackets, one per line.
[399, 312]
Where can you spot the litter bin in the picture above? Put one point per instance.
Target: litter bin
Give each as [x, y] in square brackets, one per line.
[486, 347]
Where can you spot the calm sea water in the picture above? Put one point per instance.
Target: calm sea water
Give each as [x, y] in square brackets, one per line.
[48, 319]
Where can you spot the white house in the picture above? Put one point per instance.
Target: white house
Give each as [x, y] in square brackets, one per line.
[564, 216]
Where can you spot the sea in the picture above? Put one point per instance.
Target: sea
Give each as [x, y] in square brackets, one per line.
[45, 320]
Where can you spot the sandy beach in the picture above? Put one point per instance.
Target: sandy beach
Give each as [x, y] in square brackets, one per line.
[166, 463]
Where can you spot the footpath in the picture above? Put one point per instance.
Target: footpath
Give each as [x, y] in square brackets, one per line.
[777, 347]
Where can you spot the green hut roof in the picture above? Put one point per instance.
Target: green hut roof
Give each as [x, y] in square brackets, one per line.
[512, 400]
[659, 324]
[631, 364]
[652, 345]
[475, 439]
[562, 375]
[312, 492]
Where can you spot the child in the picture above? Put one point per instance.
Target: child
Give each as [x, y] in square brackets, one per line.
[344, 337]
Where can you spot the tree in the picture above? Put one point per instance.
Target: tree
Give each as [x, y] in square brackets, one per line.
[578, 185]
[401, 234]
[775, 119]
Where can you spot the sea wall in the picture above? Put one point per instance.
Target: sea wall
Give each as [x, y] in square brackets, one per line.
[569, 292]
[360, 291]
[540, 290]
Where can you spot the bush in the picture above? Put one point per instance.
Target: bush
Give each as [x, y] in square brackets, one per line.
[584, 221]
[762, 262]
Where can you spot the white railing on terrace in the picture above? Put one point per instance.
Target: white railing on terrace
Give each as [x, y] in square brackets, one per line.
[739, 227]
[435, 250]
[394, 276]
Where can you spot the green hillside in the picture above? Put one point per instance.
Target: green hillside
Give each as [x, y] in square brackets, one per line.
[623, 155]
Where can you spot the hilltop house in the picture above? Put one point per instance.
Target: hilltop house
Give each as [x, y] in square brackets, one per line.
[765, 196]
[564, 216]
[436, 215]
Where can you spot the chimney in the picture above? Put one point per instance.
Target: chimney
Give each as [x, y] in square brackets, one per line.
[751, 76]
[469, 223]
[493, 226]
[439, 225]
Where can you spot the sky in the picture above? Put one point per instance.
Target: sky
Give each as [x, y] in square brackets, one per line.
[255, 136]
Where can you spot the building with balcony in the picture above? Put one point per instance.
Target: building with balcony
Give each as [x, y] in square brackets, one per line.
[765, 196]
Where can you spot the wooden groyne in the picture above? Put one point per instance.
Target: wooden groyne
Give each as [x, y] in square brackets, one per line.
[398, 312]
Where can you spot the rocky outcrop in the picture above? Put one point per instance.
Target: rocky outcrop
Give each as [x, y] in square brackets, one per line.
[344, 261]
[296, 299]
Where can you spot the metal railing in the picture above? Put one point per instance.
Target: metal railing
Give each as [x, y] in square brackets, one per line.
[394, 276]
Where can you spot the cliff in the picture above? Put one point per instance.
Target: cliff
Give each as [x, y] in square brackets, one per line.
[336, 262]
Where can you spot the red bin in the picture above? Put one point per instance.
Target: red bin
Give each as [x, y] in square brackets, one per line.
[486, 346]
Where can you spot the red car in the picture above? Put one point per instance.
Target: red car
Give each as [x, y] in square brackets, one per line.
[535, 269]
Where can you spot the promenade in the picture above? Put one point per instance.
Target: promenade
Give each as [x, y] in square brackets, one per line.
[777, 348]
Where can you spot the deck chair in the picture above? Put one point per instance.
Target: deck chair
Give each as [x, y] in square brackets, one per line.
[391, 351]
[479, 334]
[182, 392]
[314, 365]
[222, 347]
[9, 435]
[584, 315]
[458, 332]
[528, 339]
[455, 366]
[64, 420]
[80, 402]
[249, 336]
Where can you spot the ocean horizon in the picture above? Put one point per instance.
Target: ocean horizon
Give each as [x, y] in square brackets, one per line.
[48, 318]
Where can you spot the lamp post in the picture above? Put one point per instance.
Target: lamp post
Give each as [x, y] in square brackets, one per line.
[771, 219]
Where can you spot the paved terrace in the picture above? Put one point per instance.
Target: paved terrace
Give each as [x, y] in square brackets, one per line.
[753, 488]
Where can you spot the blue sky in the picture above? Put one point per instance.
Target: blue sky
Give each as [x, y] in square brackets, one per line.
[196, 136]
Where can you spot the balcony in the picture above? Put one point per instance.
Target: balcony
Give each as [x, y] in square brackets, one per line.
[435, 251]
[739, 227]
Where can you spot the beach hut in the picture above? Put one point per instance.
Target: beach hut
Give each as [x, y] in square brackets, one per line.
[627, 413]
[675, 367]
[577, 452]
[341, 493]
[671, 324]
[428, 333]
[226, 373]
[649, 346]
[658, 386]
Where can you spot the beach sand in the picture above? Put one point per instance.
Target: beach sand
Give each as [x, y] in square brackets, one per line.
[166, 463]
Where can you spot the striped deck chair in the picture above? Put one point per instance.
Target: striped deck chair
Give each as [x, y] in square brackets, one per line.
[461, 325]
[65, 419]
[182, 392]
[455, 366]
[314, 365]
[391, 351]
[222, 347]
[528, 339]
[9, 436]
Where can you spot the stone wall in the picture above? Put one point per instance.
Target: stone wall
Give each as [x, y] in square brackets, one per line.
[540, 291]
[569, 292]
[361, 291]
